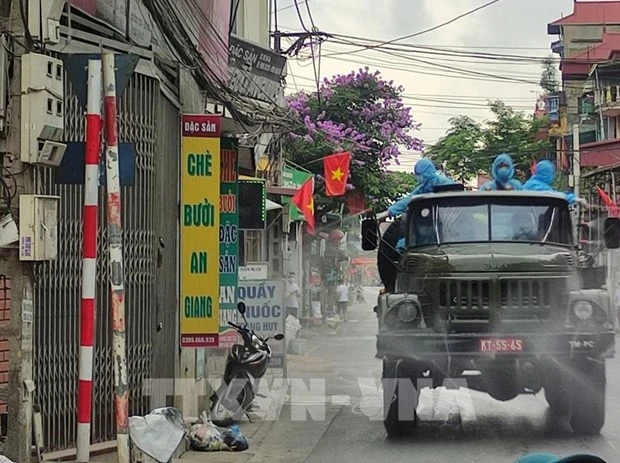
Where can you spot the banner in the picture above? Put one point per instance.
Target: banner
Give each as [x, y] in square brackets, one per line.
[264, 301]
[293, 178]
[200, 226]
[229, 241]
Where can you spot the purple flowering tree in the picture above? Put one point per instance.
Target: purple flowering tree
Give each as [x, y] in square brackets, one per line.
[361, 113]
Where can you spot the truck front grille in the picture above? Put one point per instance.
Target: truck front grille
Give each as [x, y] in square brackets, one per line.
[504, 299]
[525, 295]
[470, 295]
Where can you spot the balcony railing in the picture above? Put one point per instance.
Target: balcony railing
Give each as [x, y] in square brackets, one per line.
[609, 100]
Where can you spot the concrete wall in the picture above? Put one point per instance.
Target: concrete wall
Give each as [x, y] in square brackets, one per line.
[253, 21]
[579, 38]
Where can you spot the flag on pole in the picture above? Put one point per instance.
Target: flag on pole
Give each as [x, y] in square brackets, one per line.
[305, 202]
[336, 169]
[608, 202]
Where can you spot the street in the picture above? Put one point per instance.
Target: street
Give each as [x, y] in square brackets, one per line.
[453, 431]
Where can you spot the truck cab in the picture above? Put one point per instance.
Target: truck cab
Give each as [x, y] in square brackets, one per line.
[488, 292]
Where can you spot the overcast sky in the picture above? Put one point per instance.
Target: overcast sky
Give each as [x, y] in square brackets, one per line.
[519, 25]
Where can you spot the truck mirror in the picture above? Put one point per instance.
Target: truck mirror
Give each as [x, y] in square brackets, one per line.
[612, 233]
[370, 234]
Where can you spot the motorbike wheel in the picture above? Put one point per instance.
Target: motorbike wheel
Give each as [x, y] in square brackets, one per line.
[225, 409]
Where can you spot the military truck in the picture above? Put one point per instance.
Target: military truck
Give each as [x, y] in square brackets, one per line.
[488, 294]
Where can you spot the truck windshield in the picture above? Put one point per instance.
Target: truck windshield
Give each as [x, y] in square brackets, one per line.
[458, 222]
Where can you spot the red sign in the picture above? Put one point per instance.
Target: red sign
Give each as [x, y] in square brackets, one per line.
[201, 125]
[501, 345]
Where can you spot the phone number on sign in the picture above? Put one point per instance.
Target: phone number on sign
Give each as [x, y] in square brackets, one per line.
[199, 340]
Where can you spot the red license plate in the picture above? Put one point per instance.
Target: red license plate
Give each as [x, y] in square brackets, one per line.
[501, 345]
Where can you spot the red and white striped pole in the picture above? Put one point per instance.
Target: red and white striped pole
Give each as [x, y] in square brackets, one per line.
[115, 249]
[89, 259]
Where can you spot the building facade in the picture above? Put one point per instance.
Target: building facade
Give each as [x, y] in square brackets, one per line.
[158, 84]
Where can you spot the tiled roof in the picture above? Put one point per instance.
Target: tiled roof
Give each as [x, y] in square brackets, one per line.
[592, 13]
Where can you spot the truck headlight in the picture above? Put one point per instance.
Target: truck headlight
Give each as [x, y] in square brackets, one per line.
[407, 311]
[583, 310]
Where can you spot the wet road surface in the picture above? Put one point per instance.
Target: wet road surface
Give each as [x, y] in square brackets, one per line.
[463, 425]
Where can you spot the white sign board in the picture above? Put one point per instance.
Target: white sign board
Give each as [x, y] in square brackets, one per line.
[254, 271]
[264, 302]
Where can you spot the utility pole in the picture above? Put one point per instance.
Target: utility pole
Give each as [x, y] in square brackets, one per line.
[19, 330]
[576, 160]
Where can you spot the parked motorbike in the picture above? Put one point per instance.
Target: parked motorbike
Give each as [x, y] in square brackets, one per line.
[245, 365]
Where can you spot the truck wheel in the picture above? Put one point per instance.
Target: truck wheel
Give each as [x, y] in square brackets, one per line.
[557, 391]
[400, 400]
[588, 397]
[388, 256]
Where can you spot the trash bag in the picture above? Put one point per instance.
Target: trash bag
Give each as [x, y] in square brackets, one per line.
[234, 439]
[157, 434]
[4, 459]
[204, 436]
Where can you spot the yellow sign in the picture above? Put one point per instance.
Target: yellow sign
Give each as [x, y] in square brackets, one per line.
[200, 229]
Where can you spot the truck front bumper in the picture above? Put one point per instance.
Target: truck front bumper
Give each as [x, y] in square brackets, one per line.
[416, 345]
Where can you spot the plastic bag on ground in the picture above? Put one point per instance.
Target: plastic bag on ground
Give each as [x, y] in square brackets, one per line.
[4, 459]
[157, 434]
[204, 436]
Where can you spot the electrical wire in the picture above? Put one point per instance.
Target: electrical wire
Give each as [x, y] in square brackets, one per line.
[431, 29]
[289, 7]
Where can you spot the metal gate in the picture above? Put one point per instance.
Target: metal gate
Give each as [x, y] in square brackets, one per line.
[144, 119]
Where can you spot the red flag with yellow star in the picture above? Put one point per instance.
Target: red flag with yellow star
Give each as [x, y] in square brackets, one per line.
[336, 169]
[305, 202]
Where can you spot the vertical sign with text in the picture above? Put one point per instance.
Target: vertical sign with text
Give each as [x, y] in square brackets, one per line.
[229, 241]
[200, 226]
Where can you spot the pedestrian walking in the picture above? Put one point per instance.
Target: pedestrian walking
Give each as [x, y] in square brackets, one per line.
[292, 296]
[342, 293]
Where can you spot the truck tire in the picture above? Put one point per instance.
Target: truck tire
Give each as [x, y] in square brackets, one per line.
[399, 406]
[388, 256]
[588, 397]
[557, 390]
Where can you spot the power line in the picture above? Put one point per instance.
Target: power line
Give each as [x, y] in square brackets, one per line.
[447, 96]
[289, 7]
[435, 46]
[431, 29]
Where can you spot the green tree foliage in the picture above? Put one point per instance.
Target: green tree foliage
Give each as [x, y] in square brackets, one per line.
[549, 80]
[469, 147]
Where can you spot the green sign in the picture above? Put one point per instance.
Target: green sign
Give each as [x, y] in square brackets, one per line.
[293, 178]
[229, 240]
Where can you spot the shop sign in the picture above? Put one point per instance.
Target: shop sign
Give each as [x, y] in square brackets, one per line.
[200, 227]
[293, 178]
[229, 241]
[265, 313]
[254, 271]
[255, 72]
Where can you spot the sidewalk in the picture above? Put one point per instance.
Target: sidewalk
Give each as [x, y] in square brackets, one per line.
[281, 440]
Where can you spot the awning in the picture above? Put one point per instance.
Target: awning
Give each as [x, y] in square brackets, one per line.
[272, 205]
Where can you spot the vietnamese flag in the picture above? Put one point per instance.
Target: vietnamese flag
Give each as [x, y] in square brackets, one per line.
[336, 169]
[611, 206]
[305, 202]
